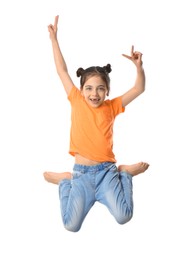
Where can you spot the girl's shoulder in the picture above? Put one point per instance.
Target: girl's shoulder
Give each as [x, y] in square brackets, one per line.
[75, 92]
[116, 105]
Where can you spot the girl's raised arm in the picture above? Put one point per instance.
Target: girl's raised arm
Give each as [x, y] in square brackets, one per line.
[60, 63]
[139, 86]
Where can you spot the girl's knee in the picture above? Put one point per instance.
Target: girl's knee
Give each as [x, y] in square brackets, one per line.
[123, 219]
[72, 228]
[71, 224]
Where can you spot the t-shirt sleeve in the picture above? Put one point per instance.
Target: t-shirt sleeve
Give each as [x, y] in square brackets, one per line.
[117, 106]
[74, 94]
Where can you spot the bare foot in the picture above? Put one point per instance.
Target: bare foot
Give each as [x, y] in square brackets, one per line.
[134, 169]
[55, 178]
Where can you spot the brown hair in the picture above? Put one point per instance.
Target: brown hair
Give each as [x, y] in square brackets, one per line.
[102, 72]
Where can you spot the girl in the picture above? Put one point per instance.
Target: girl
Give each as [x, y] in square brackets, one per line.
[95, 176]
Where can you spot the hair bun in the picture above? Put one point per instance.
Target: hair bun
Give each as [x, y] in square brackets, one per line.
[107, 68]
[80, 72]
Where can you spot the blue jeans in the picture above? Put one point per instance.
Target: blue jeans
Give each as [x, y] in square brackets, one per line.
[102, 183]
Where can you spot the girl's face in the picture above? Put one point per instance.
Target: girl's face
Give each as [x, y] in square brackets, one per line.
[94, 91]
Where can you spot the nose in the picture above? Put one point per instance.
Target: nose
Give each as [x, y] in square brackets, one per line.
[95, 92]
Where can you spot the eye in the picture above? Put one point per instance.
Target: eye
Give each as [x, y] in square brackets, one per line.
[101, 88]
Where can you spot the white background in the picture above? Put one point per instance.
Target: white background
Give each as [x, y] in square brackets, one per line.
[158, 127]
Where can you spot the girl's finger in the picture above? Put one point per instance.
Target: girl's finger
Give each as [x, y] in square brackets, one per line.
[138, 53]
[56, 21]
[132, 50]
[127, 56]
[50, 27]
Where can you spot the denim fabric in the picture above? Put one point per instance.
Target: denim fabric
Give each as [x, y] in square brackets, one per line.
[102, 183]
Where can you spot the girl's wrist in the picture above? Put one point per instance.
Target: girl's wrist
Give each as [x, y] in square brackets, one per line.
[140, 69]
[54, 39]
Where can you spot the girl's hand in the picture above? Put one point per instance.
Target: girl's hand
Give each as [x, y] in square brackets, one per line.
[136, 57]
[53, 28]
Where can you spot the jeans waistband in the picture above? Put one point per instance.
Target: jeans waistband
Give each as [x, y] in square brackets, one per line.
[97, 167]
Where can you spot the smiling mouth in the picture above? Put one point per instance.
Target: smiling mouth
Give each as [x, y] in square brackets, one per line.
[94, 100]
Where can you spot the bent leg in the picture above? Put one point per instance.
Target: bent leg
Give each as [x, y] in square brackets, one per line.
[75, 203]
[116, 192]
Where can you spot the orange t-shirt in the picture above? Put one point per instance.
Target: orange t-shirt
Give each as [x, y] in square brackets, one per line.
[92, 128]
